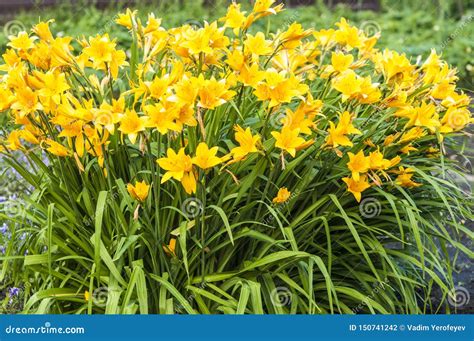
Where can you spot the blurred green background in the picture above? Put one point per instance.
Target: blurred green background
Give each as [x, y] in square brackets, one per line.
[414, 27]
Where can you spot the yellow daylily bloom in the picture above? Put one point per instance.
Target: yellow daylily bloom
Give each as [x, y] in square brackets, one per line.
[22, 41]
[171, 247]
[356, 187]
[340, 61]
[206, 158]
[160, 118]
[282, 196]
[247, 143]
[56, 148]
[358, 163]
[455, 119]
[377, 161]
[139, 191]
[288, 140]
[180, 167]
[131, 124]
[404, 178]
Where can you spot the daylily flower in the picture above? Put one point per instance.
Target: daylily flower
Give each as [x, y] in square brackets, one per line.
[206, 158]
[356, 187]
[288, 140]
[404, 177]
[139, 191]
[282, 196]
[56, 148]
[358, 163]
[180, 167]
[247, 143]
[131, 124]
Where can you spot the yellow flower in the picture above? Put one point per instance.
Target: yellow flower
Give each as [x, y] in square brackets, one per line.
[423, 116]
[340, 61]
[250, 75]
[282, 196]
[455, 119]
[347, 34]
[298, 120]
[257, 45]
[412, 134]
[337, 134]
[56, 148]
[288, 140]
[404, 178]
[87, 296]
[171, 247]
[358, 163]
[6, 98]
[125, 19]
[247, 143]
[234, 18]
[101, 51]
[377, 161]
[279, 89]
[356, 187]
[395, 66]
[292, 37]
[206, 158]
[22, 41]
[13, 140]
[263, 7]
[139, 191]
[42, 31]
[347, 83]
[132, 124]
[52, 85]
[180, 167]
[407, 149]
[26, 101]
[213, 93]
[161, 119]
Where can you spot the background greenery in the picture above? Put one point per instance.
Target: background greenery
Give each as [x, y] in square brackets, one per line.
[413, 27]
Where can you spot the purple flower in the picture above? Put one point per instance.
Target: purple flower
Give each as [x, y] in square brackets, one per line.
[4, 228]
[2, 249]
[14, 291]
